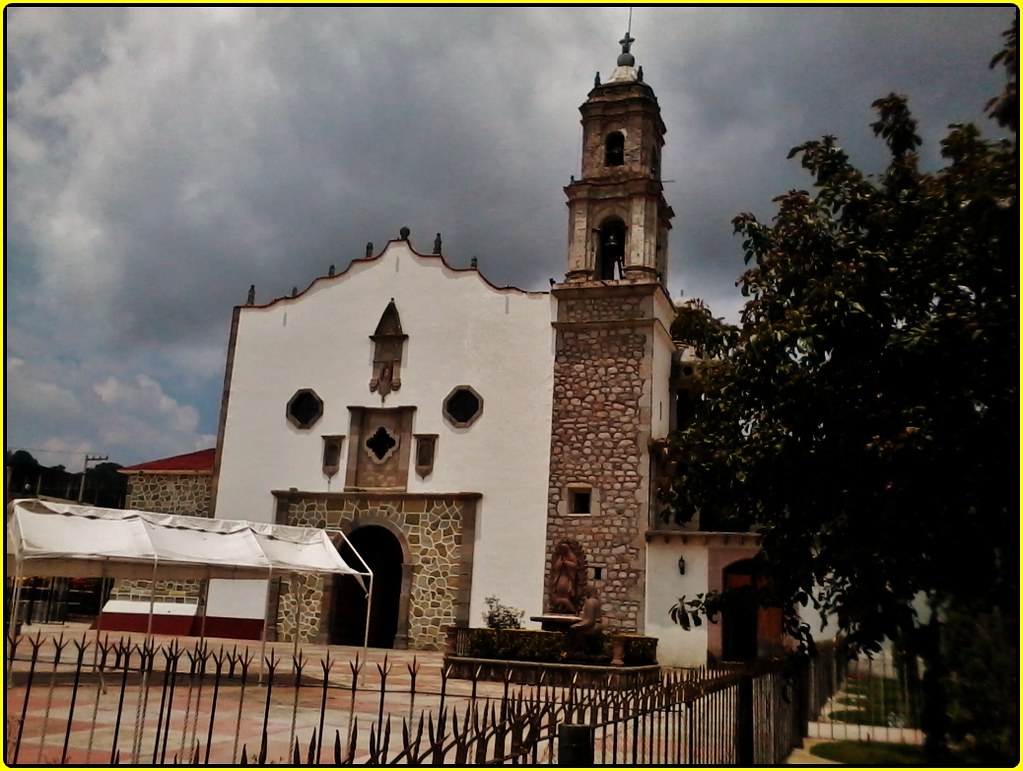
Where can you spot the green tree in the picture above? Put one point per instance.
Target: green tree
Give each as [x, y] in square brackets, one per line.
[863, 418]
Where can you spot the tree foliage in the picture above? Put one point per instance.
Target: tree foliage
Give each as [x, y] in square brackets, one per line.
[863, 418]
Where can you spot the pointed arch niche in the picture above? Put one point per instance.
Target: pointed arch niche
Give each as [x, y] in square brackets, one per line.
[388, 348]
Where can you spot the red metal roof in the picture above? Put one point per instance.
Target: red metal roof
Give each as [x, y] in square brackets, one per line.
[202, 460]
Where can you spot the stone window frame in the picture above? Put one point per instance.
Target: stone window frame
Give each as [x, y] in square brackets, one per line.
[371, 453]
[451, 419]
[295, 420]
[337, 442]
[425, 443]
[566, 505]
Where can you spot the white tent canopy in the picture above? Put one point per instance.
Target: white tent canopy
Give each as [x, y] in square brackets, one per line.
[52, 538]
[48, 538]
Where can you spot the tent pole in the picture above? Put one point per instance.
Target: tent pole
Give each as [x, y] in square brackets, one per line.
[294, 633]
[152, 601]
[95, 651]
[16, 598]
[266, 624]
[204, 597]
[365, 638]
[369, 602]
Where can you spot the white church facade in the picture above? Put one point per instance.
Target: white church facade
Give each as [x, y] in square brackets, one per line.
[475, 441]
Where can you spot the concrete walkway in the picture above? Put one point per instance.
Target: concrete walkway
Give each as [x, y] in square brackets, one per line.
[803, 757]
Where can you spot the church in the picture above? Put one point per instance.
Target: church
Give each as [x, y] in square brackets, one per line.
[475, 441]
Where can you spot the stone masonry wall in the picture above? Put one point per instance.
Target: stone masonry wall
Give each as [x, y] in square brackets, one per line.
[438, 532]
[186, 494]
[601, 429]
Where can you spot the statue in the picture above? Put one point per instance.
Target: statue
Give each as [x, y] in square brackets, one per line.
[589, 621]
[585, 634]
[568, 578]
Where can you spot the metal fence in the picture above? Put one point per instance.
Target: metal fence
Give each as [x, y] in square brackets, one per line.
[71, 701]
[880, 700]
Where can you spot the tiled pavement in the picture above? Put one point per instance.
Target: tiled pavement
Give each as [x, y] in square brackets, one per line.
[144, 733]
[239, 713]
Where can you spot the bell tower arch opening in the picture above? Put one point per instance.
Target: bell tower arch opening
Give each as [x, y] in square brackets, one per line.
[611, 250]
[614, 149]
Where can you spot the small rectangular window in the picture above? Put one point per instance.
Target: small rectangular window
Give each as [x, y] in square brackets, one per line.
[579, 501]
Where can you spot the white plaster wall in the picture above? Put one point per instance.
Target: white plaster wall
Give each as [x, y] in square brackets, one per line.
[461, 331]
[661, 407]
[676, 647]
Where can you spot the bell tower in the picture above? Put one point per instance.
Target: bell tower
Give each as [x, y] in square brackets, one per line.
[618, 218]
[613, 354]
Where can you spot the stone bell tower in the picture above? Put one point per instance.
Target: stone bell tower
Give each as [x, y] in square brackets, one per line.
[613, 352]
[618, 218]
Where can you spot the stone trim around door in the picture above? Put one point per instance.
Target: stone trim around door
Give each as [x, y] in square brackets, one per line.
[437, 533]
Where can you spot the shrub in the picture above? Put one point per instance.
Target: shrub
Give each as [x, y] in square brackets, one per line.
[499, 616]
[640, 650]
[538, 646]
[515, 645]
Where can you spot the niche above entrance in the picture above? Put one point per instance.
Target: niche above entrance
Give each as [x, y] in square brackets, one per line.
[388, 347]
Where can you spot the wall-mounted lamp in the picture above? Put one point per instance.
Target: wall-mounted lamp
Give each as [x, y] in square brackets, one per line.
[681, 566]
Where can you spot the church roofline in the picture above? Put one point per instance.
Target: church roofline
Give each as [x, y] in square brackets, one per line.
[363, 260]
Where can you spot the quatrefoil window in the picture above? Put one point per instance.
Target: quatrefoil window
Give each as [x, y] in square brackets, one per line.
[381, 445]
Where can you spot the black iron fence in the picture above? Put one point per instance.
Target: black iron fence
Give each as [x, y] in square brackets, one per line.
[96, 701]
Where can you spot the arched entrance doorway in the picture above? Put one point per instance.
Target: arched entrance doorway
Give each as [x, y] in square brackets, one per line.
[383, 554]
[748, 631]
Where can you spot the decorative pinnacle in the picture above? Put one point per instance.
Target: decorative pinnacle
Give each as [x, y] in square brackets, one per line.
[625, 58]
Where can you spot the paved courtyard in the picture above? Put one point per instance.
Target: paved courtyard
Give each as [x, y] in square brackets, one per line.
[222, 716]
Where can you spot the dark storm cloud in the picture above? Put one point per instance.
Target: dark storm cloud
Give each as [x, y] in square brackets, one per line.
[162, 159]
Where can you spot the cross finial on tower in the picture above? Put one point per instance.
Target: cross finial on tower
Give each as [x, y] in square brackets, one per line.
[625, 58]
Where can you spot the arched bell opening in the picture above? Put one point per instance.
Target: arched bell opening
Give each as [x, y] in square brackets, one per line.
[614, 149]
[611, 250]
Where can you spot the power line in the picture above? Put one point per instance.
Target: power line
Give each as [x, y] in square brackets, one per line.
[43, 449]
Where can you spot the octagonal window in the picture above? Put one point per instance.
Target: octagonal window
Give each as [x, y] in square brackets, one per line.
[304, 408]
[463, 406]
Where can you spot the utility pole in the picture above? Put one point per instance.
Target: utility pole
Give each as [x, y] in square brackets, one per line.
[85, 467]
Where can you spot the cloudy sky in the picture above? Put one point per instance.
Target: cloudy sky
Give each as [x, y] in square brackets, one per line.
[160, 160]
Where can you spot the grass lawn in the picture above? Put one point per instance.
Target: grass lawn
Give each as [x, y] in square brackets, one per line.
[870, 753]
[875, 701]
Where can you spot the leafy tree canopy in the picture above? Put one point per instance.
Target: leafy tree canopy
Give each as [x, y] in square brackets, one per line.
[863, 417]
